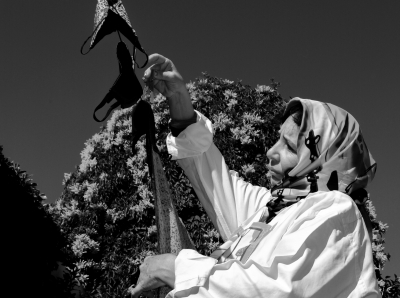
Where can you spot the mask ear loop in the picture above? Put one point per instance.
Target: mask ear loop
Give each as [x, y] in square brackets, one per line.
[134, 53]
[91, 35]
[134, 49]
[119, 35]
[95, 29]
[134, 58]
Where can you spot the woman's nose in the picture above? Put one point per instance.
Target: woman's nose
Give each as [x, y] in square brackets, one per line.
[273, 155]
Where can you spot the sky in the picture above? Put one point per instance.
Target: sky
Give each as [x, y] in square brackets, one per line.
[342, 52]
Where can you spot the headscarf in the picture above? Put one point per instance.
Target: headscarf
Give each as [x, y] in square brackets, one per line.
[332, 156]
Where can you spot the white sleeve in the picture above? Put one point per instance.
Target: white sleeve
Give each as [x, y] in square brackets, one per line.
[323, 254]
[227, 199]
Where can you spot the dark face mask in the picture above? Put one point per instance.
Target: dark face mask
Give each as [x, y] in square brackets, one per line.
[126, 88]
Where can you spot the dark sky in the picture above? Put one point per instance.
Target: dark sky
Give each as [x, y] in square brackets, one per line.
[343, 52]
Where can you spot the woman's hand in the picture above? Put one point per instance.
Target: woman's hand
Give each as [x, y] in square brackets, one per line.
[155, 272]
[162, 76]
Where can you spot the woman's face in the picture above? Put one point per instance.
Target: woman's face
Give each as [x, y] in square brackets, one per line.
[283, 155]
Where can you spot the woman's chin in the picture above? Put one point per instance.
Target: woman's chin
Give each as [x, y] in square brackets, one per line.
[273, 178]
[274, 181]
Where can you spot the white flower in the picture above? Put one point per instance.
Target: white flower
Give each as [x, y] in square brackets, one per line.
[202, 82]
[190, 86]
[227, 82]
[67, 176]
[58, 205]
[114, 214]
[97, 138]
[87, 151]
[86, 155]
[230, 94]
[82, 264]
[87, 164]
[100, 205]
[143, 204]
[75, 188]
[70, 209]
[90, 191]
[106, 140]
[232, 103]
[151, 230]
[248, 169]
[127, 123]
[252, 118]
[132, 165]
[82, 244]
[115, 117]
[263, 88]
[159, 99]
[118, 139]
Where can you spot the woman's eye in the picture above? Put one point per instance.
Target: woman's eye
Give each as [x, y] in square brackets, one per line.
[291, 149]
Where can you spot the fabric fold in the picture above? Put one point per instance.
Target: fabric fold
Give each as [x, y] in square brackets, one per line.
[191, 270]
[193, 141]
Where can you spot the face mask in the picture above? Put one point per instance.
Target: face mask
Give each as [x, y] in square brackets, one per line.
[111, 16]
[126, 88]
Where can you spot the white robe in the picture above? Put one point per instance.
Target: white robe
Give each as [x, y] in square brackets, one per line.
[318, 247]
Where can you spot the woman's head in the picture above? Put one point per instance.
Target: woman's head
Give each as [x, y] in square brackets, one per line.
[283, 155]
[324, 139]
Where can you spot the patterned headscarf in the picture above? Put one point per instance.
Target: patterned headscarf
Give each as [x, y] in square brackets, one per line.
[332, 156]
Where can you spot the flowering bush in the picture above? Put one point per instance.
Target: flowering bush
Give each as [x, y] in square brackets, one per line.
[106, 209]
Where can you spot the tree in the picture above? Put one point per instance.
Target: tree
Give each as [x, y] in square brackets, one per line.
[106, 209]
[32, 242]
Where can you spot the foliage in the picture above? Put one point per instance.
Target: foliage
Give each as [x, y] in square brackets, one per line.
[106, 209]
[389, 287]
[32, 241]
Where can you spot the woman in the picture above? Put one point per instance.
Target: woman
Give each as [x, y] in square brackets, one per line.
[304, 238]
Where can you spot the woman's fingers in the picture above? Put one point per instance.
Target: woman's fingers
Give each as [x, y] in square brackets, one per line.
[147, 291]
[162, 76]
[134, 292]
[148, 294]
[150, 72]
[156, 59]
[161, 68]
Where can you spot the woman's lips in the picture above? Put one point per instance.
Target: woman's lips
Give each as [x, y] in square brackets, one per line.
[274, 174]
